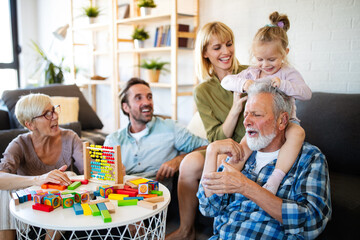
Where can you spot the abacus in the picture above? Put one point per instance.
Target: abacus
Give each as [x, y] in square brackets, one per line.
[102, 163]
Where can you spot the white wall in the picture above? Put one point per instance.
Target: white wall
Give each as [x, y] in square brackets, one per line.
[324, 36]
[324, 42]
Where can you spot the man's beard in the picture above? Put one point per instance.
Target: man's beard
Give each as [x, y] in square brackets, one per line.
[259, 142]
[140, 118]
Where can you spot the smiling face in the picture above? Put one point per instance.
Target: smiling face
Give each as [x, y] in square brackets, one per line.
[262, 128]
[220, 54]
[139, 106]
[43, 126]
[268, 57]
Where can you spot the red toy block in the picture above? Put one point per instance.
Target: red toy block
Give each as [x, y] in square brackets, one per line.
[42, 207]
[123, 191]
[85, 181]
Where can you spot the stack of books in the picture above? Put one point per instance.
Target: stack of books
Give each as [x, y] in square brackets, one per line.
[163, 36]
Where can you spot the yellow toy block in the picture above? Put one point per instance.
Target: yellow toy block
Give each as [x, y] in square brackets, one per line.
[86, 208]
[138, 181]
[114, 196]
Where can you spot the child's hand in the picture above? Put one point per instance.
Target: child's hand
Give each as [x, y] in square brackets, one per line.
[275, 82]
[247, 84]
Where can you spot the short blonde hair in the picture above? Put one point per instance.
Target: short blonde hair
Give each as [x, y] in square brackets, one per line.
[30, 106]
[274, 32]
[204, 68]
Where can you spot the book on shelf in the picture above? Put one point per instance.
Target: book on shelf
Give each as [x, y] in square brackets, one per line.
[163, 36]
[182, 42]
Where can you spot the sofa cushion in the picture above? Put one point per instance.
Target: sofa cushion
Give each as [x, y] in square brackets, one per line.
[331, 122]
[87, 116]
[4, 120]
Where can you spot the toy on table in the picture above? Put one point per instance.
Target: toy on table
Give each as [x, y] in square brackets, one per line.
[102, 163]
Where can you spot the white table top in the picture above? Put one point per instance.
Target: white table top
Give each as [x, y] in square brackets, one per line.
[65, 219]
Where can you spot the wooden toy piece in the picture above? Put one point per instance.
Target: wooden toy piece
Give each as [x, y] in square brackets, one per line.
[159, 193]
[82, 196]
[52, 200]
[155, 199]
[110, 207]
[55, 192]
[53, 186]
[21, 195]
[15, 197]
[105, 190]
[147, 195]
[139, 181]
[28, 194]
[39, 197]
[128, 188]
[74, 185]
[42, 207]
[83, 182]
[86, 208]
[131, 185]
[105, 216]
[129, 198]
[147, 205]
[78, 209]
[101, 206]
[154, 185]
[115, 196]
[68, 201]
[127, 202]
[123, 191]
[118, 186]
[143, 188]
[94, 210]
[97, 193]
[98, 201]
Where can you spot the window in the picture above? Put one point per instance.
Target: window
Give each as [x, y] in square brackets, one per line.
[9, 47]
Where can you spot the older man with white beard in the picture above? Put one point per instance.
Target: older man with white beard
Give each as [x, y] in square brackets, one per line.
[242, 208]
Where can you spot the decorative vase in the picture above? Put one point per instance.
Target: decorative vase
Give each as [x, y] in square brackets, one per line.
[153, 75]
[138, 43]
[145, 11]
[92, 20]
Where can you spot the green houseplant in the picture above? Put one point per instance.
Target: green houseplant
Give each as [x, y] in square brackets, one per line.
[153, 68]
[92, 12]
[145, 6]
[53, 73]
[139, 36]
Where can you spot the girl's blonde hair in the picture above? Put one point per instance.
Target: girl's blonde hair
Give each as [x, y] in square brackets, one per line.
[274, 32]
[203, 66]
[30, 106]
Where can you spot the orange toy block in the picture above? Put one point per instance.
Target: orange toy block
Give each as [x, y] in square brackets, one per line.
[147, 195]
[147, 205]
[53, 185]
[155, 199]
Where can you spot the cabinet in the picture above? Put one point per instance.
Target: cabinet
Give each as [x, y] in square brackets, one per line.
[91, 46]
[172, 17]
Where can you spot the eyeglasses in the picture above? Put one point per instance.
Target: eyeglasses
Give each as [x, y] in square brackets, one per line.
[49, 114]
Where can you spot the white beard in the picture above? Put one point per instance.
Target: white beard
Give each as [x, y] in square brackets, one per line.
[260, 142]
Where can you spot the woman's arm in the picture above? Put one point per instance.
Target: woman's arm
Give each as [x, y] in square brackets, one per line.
[232, 118]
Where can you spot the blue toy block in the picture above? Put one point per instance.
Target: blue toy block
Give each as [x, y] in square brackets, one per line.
[78, 209]
[97, 193]
[101, 206]
[131, 198]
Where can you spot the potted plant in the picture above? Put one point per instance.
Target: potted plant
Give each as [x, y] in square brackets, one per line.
[92, 12]
[145, 6]
[139, 36]
[153, 68]
[53, 73]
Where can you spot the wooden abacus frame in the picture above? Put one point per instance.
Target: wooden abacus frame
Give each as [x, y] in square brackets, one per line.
[119, 178]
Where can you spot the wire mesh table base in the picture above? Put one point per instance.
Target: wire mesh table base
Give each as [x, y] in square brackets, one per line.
[150, 228]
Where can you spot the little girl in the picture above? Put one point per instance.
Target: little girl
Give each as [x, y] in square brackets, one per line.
[270, 49]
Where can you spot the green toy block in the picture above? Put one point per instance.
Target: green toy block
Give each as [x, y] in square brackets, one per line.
[74, 185]
[106, 216]
[127, 202]
[95, 210]
[159, 193]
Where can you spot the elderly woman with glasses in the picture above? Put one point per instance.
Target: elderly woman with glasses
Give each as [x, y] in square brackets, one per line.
[41, 155]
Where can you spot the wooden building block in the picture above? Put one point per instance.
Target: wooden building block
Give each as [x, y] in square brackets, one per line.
[105, 216]
[123, 191]
[86, 208]
[159, 193]
[115, 196]
[147, 195]
[131, 185]
[98, 201]
[78, 209]
[155, 199]
[53, 186]
[101, 206]
[15, 197]
[110, 207]
[127, 202]
[147, 205]
[138, 198]
[74, 185]
[94, 210]
[42, 207]
[118, 186]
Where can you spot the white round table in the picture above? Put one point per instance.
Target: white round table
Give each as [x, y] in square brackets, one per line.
[128, 222]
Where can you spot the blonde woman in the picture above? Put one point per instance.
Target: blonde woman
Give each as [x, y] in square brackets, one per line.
[219, 109]
[39, 156]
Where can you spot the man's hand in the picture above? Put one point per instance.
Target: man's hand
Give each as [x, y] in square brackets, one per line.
[229, 147]
[229, 181]
[169, 168]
